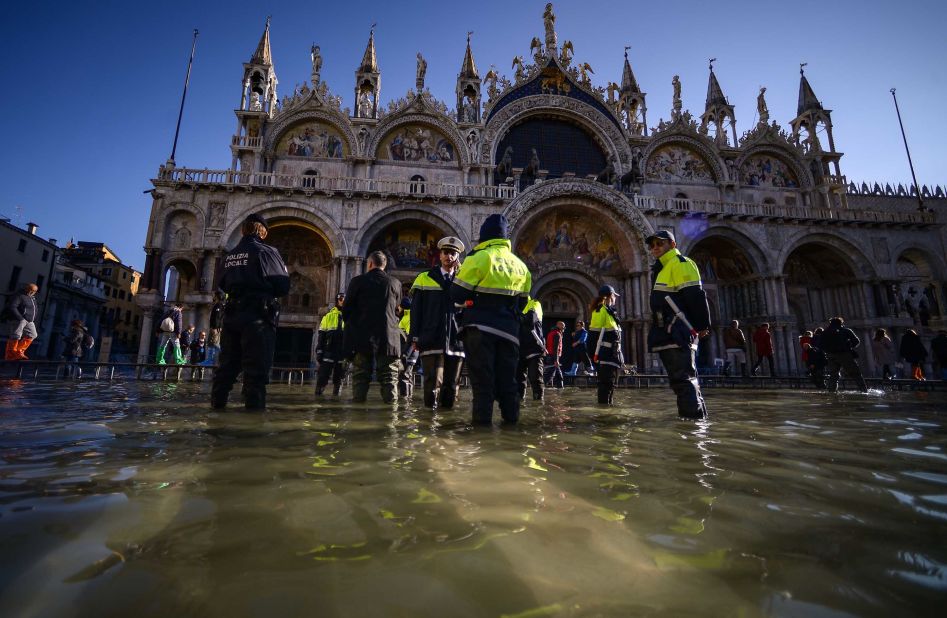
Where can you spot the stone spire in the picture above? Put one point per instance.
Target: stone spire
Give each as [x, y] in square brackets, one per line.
[368, 82]
[468, 69]
[468, 89]
[631, 102]
[807, 98]
[628, 82]
[717, 111]
[262, 54]
[369, 63]
[714, 93]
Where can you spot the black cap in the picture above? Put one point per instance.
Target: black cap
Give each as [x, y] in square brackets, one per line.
[406, 302]
[494, 226]
[255, 218]
[660, 235]
[606, 290]
[340, 296]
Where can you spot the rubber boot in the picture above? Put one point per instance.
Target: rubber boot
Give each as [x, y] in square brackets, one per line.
[10, 353]
[178, 356]
[21, 349]
[336, 389]
[159, 358]
[319, 389]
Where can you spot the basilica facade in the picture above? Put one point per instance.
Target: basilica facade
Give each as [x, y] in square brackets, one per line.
[779, 233]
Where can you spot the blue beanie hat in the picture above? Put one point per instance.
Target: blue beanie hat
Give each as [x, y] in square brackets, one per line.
[495, 226]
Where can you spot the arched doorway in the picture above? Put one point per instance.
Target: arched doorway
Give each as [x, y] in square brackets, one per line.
[821, 283]
[308, 257]
[410, 246]
[180, 278]
[734, 287]
[916, 292]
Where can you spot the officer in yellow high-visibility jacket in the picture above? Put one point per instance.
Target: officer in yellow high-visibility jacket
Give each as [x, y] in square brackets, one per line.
[532, 349]
[608, 356]
[678, 325]
[493, 285]
[329, 349]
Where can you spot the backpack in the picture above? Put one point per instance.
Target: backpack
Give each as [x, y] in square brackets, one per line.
[167, 325]
[88, 341]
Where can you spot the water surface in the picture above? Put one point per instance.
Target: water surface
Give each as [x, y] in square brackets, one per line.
[135, 499]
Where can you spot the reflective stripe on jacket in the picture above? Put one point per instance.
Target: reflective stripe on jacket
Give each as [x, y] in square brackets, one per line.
[604, 325]
[435, 323]
[531, 330]
[494, 285]
[330, 342]
[677, 277]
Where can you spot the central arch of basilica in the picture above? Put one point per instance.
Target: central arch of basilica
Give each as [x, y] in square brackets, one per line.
[779, 233]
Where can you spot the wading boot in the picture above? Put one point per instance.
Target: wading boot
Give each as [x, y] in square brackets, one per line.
[336, 389]
[21, 349]
[10, 353]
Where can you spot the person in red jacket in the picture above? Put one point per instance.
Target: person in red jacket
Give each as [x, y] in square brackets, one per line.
[763, 340]
[554, 355]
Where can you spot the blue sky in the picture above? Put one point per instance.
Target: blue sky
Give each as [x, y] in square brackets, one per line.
[92, 89]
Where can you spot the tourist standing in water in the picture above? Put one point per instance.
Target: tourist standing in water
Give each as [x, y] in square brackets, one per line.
[839, 344]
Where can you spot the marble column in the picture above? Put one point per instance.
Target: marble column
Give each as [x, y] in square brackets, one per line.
[147, 327]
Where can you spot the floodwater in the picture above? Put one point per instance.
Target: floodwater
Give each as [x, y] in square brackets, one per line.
[134, 499]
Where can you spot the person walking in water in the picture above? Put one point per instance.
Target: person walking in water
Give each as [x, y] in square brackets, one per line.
[554, 354]
[530, 369]
[883, 349]
[839, 344]
[763, 340]
[329, 350]
[912, 350]
[608, 356]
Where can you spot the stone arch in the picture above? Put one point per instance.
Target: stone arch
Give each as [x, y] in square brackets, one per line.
[759, 261]
[618, 211]
[309, 261]
[932, 262]
[920, 286]
[701, 145]
[592, 120]
[442, 124]
[286, 122]
[168, 211]
[581, 284]
[292, 211]
[850, 254]
[784, 155]
[401, 212]
[187, 277]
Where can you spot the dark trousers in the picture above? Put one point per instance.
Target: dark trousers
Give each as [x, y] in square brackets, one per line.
[530, 370]
[441, 379]
[682, 375]
[759, 363]
[246, 344]
[606, 382]
[554, 371]
[386, 368]
[491, 365]
[580, 355]
[843, 361]
[330, 369]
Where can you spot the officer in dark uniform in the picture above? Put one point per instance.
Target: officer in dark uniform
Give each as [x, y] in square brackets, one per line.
[680, 316]
[330, 351]
[493, 286]
[254, 277]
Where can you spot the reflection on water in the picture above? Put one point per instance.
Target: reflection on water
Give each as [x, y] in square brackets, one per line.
[135, 499]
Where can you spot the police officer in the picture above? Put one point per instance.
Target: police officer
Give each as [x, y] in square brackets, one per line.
[435, 328]
[493, 285]
[329, 349]
[530, 367]
[254, 277]
[680, 316]
[608, 356]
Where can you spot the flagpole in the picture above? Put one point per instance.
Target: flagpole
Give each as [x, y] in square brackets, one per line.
[917, 189]
[187, 79]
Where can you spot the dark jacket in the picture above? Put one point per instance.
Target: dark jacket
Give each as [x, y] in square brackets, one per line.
[217, 315]
[186, 336]
[370, 314]
[912, 348]
[531, 335]
[254, 271]
[839, 340]
[198, 351]
[22, 306]
[434, 318]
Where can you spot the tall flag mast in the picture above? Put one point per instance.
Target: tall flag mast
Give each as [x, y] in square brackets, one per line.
[187, 79]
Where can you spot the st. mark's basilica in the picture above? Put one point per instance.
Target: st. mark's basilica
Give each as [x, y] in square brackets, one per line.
[779, 234]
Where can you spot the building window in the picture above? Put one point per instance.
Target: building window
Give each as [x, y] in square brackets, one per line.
[310, 178]
[40, 279]
[128, 316]
[124, 275]
[108, 290]
[136, 321]
[22, 246]
[121, 294]
[107, 272]
[45, 255]
[417, 184]
[14, 278]
[115, 293]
